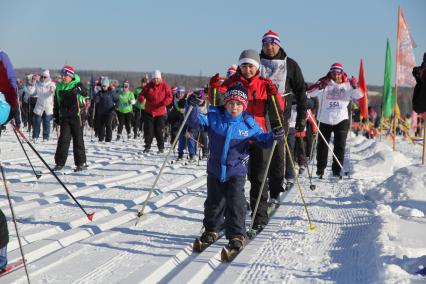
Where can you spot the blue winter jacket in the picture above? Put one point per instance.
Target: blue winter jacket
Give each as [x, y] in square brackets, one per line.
[105, 101]
[229, 140]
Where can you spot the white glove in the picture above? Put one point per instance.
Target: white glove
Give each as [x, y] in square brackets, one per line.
[132, 102]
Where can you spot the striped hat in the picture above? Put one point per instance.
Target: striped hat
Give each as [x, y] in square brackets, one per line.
[68, 71]
[271, 37]
[236, 93]
[231, 70]
[336, 67]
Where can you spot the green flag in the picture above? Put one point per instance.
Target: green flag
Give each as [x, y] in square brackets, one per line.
[388, 98]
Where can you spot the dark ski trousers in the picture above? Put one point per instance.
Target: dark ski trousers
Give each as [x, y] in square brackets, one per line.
[138, 120]
[340, 131]
[124, 119]
[4, 233]
[225, 196]
[70, 127]
[291, 140]
[154, 125]
[256, 170]
[204, 140]
[104, 126]
[276, 170]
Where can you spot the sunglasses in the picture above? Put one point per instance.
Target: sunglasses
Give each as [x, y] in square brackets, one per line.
[43, 77]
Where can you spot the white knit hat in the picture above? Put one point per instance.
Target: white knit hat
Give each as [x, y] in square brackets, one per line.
[156, 74]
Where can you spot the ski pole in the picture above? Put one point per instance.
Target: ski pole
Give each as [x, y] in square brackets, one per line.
[261, 186]
[141, 212]
[328, 145]
[88, 215]
[348, 172]
[38, 175]
[311, 225]
[14, 221]
[311, 186]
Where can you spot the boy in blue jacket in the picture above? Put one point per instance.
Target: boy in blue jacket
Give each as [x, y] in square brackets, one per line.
[230, 128]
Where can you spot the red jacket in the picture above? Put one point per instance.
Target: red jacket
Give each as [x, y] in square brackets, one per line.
[258, 88]
[158, 97]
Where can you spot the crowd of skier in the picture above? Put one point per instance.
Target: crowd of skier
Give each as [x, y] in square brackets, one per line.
[260, 122]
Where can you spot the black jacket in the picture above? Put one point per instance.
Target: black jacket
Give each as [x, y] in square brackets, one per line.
[105, 101]
[69, 103]
[295, 84]
[4, 233]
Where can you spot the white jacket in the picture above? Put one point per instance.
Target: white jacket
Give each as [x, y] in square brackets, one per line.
[45, 94]
[334, 100]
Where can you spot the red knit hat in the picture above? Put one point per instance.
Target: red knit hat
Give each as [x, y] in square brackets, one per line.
[231, 70]
[271, 37]
[336, 67]
[68, 70]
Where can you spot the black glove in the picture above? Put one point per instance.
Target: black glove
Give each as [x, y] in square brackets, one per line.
[194, 101]
[300, 125]
[56, 121]
[278, 133]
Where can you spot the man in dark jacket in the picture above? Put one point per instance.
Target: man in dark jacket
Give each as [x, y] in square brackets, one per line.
[4, 240]
[286, 75]
[106, 100]
[419, 96]
[69, 102]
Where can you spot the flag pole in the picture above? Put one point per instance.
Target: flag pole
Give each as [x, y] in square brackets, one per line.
[396, 82]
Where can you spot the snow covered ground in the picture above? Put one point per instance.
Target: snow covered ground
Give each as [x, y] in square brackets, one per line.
[369, 228]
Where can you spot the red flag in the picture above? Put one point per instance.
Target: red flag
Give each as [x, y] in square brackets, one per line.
[362, 85]
[405, 61]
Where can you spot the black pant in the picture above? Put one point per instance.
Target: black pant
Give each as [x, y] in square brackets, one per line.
[124, 119]
[227, 196]
[104, 126]
[138, 120]
[340, 131]
[4, 233]
[204, 139]
[70, 127]
[154, 125]
[256, 170]
[276, 170]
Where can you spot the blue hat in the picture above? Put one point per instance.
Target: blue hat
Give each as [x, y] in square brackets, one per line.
[105, 81]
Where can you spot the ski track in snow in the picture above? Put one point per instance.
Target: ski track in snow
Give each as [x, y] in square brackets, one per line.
[62, 246]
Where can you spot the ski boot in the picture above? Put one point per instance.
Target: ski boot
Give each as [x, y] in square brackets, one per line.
[289, 185]
[301, 170]
[118, 137]
[231, 250]
[320, 173]
[57, 168]
[257, 229]
[207, 238]
[80, 168]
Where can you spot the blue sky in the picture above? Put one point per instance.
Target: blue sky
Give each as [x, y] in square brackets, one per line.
[190, 37]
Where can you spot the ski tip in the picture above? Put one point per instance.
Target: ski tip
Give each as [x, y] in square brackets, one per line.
[312, 228]
[90, 216]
